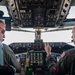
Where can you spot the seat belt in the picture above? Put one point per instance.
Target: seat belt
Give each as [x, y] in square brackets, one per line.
[1, 54]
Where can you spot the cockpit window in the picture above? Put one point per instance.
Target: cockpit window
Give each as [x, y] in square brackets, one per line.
[5, 11]
[71, 14]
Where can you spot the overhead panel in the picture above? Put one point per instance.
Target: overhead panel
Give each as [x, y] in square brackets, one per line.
[37, 13]
[64, 11]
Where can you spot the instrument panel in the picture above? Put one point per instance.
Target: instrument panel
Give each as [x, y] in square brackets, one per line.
[57, 47]
[32, 58]
[32, 54]
[34, 62]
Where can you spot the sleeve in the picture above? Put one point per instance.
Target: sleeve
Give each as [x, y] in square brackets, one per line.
[10, 57]
[56, 68]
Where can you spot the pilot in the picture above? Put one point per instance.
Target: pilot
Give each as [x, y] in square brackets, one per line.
[66, 64]
[8, 55]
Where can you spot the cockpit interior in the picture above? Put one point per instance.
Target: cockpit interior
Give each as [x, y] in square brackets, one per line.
[41, 16]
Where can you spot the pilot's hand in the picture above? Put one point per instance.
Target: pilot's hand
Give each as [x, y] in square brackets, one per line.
[47, 49]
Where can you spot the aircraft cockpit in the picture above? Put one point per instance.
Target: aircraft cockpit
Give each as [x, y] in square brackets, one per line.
[42, 16]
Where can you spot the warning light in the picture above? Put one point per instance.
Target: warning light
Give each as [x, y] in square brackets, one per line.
[30, 69]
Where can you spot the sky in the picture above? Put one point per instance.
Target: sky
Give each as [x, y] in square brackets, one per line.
[15, 36]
